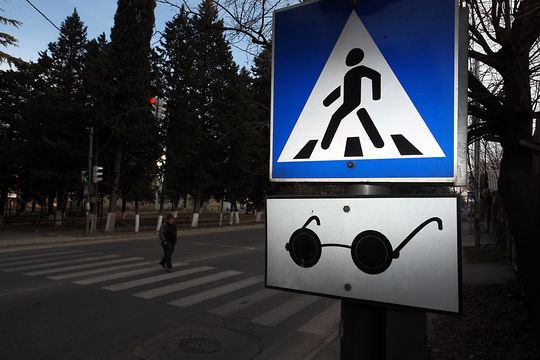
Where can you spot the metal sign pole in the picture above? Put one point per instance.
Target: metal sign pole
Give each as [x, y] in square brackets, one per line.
[378, 333]
[362, 326]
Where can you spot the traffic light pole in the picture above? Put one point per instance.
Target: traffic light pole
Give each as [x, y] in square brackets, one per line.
[88, 207]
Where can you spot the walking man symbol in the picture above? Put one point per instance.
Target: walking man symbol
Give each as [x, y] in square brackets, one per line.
[352, 91]
[357, 109]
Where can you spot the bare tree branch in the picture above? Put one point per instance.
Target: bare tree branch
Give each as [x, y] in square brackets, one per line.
[479, 39]
[526, 26]
[243, 19]
[490, 60]
[482, 95]
[481, 15]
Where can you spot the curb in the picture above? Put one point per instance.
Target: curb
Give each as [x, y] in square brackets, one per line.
[51, 239]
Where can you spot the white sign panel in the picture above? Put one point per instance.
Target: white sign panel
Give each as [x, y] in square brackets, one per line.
[398, 250]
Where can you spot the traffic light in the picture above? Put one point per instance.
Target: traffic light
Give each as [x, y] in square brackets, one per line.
[154, 104]
[97, 173]
[84, 176]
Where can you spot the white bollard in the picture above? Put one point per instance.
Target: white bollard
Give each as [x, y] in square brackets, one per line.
[236, 217]
[111, 218]
[195, 220]
[137, 222]
[159, 222]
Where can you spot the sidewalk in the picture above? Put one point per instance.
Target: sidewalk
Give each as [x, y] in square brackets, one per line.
[17, 239]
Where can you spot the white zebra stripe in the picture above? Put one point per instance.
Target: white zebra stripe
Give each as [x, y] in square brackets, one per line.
[64, 262]
[284, 311]
[156, 278]
[97, 271]
[42, 259]
[38, 255]
[215, 292]
[83, 266]
[120, 275]
[243, 302]
[325, 322]
[149, 294]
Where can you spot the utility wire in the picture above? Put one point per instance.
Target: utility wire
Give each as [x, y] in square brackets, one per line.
[45, 16]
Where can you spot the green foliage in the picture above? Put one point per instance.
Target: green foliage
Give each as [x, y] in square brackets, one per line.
[199, 80]
[134, 132]
[214, 132]
[7, 40]
[54, 118]
[174, 62]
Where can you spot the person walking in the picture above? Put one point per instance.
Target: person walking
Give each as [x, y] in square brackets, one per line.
[167, 237]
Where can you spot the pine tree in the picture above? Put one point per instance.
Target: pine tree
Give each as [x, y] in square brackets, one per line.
[13, 92]
[240, 140]
[197, 69]
[55, 117]
[261, 89]
[215, 72]
[6, 40]
[130, 55]
[176, 59]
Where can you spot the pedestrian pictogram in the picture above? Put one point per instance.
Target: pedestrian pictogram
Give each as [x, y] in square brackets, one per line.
[352, 95]
[368, 115]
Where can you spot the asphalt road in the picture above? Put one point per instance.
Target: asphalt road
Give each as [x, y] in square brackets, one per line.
[113, 301]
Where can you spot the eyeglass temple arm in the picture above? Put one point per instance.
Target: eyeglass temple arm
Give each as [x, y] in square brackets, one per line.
[395, 253]
[310, 220]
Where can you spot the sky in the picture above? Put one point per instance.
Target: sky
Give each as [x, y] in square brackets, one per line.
[36, 32]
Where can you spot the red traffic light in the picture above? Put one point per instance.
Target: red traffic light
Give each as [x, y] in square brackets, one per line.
[152, 100]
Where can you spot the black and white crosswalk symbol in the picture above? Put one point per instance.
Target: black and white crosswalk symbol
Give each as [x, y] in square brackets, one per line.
[358, 109]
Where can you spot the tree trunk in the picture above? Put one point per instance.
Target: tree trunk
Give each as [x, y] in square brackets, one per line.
[111, 216]
[518, 182]
[3, 201]
[50, 208]
[124, 203]
[520, 198]
[161, 198]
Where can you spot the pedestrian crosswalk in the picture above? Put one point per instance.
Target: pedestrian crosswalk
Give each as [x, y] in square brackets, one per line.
[212, 293]
[78, 267]
[220, 292]
[168, 289]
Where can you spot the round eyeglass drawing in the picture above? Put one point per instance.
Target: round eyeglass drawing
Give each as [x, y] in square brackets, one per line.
[371, 251]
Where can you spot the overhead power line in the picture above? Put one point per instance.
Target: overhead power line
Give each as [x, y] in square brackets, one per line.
[45, 16]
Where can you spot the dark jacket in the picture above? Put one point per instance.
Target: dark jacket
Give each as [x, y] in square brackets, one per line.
[167, 232]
